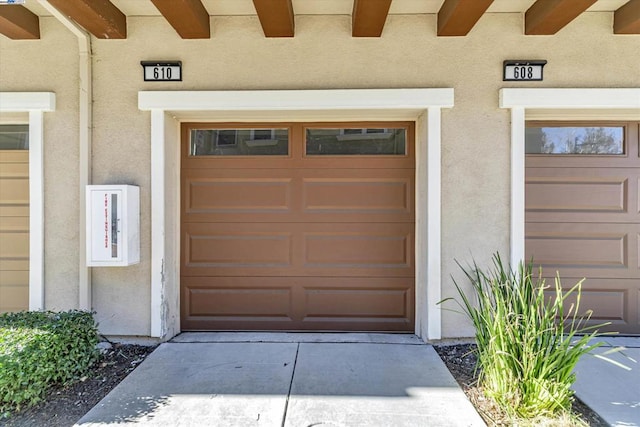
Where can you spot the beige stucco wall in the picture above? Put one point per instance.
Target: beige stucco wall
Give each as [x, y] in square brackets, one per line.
[475, 152]
[51, 65]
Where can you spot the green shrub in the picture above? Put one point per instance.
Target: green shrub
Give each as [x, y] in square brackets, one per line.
[528, 341]
[38, 349]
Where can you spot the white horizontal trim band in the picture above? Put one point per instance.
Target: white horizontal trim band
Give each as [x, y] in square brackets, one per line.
[330, 99]
[27, 101]
[626, 98]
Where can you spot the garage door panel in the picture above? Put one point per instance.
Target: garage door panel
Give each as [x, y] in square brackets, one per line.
[602, 250]
[358, 297]
[14, 170]
[14, 290]
[233, 302]
[8, 211]
[357, 195]
[14, 223]
[14, 191]
[611, 301]
[14, 156]
[237, 195]
[576, 195]
[581, 195]
[18, 277]
[236, 303]
[13, 297]
[238, 250]
[277, 249]
[298, 303]
[330, 250]
[14, 244]
[298, 195]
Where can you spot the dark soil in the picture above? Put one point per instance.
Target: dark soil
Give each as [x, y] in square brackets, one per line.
[461, 361]
[64, 406]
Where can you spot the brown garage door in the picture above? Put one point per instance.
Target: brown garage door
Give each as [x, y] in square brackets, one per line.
[583, 213]
[298, 226]
[14, 218]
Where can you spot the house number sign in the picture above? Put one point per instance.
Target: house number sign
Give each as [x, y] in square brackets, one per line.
[162, 71]
[523, 70]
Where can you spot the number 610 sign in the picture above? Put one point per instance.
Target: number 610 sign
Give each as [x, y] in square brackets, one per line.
[159, 71]
[523, 70]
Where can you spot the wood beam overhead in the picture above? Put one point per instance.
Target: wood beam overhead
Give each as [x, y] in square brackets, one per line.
[276, 17]
[188, 17]
[546, 17]
[457, 17]
[368, 17]
[100, 17]
[626, 20]
[19, 23]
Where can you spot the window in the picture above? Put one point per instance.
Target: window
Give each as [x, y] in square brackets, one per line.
[574, 140]
[239, 142]
[355, 141]
[14, 137]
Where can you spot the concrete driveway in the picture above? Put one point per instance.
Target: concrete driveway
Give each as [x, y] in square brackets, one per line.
[609, 381]
[236, 379]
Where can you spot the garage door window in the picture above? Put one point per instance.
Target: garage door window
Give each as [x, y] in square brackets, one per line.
[356, 141]
[14, 137]
[575, 140]
[239, 142]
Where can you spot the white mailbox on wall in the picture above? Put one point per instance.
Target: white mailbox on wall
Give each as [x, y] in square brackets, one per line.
[113, 225]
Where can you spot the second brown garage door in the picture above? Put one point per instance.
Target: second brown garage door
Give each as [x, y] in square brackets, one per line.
[583, 213]
[14, 218]
[293, 226]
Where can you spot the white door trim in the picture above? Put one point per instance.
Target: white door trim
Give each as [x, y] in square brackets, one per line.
[35, 104]
[420, 105]
[559, 103]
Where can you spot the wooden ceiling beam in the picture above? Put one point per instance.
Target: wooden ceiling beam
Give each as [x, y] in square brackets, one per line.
[626, 20]
[188, 17]
[19, 23]
[546, 17]
[100, 17]
[368, 17]
[276, 17]
[457, 17]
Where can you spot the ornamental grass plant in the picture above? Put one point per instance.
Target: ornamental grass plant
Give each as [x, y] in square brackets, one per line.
[529, 336]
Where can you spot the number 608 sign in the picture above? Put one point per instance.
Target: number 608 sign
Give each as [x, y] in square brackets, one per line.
[523, 70]
[157, 71]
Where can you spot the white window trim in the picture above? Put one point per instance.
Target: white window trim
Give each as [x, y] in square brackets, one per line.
[35, 104]
[559, 104]
[420, 105]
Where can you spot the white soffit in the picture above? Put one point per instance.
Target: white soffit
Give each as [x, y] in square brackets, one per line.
[510, 6]
[326, 7]
[607, 5]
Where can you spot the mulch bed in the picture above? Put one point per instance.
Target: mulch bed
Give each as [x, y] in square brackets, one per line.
[461, 362]
[64, 406]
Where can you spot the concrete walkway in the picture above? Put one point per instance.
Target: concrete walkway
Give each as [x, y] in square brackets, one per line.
[292, 380]
[609, 382]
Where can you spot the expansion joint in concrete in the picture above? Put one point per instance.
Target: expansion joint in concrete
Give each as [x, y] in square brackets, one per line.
[293, 373]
